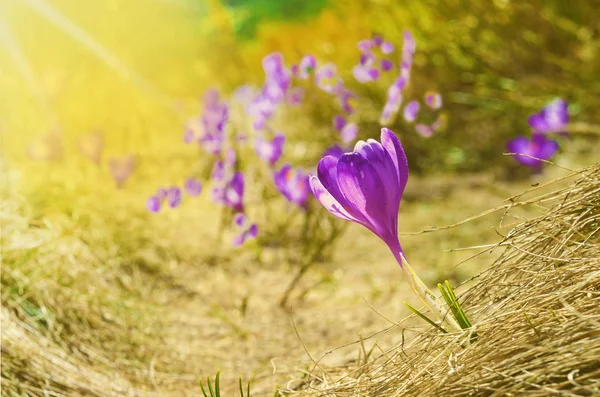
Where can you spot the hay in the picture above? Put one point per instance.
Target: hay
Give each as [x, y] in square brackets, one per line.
[536, 312]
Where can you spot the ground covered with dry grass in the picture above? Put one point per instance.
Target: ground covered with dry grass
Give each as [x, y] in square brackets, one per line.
[101, 298]
[535, 312]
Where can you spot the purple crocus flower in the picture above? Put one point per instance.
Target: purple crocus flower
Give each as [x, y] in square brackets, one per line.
[553, 118]
[394, 101]
[349, 132]
[326, 77]
[218, 173]
[233, 193]
[433, 100]
[339, 122]
[365, 186]
[366, 45]
[239, 219]
[193, 187]
[533, 150]
[249, 233]
[411, 110]
[387, 48]
[307, 66]
[386, 65]
[346, 98]
[153, 204]
[174, 196]
[161, 193]
[424, 130]
[408, 52]
[364, 73]
[292, 184]
[270, 151]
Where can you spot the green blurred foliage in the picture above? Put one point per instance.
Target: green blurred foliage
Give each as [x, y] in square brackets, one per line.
[249, 14]
[495, 63]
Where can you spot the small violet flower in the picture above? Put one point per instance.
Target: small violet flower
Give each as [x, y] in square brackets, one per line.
[307, 66]
[174, 196]
[532, 151]
[292, 184]
[433, 100]
[553, 118]
[153, 204]
[193, 187]
[411, 110]
[270, 151]
[326, 77]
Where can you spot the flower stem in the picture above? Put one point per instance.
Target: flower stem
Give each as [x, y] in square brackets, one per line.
[426, 296]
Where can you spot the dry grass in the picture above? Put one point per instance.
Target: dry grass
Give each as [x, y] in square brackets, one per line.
[535, 311]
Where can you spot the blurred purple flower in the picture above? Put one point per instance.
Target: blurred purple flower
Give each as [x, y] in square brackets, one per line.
[239, 219]
[218, 173]
[292, 184]
[366, 45]
[411, 110]
[174, 196]
[364, 73]
[161, 193]
[230, 157]
[307, 66]
[346, 98]
[539, 146]
[377, 39]
[424, 130]
[386, 65]
[193, 187]
[233, 193]
[153, 204]
[189, 135]
[553, 118]
[365, 186]
[387, 48]
[433, 100]
[249, 233]
[349, 132]
[326, 77]
[339, 122]
[394, 101]
[408, 52]
[270, 151]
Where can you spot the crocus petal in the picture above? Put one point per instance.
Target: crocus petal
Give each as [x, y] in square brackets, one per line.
[239, 240]
[392, 145]
[161, 193]
[547, 148]
[327, 200]
[363, 190]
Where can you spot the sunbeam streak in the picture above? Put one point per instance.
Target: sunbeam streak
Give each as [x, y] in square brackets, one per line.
[11, 45]
[51, 14]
